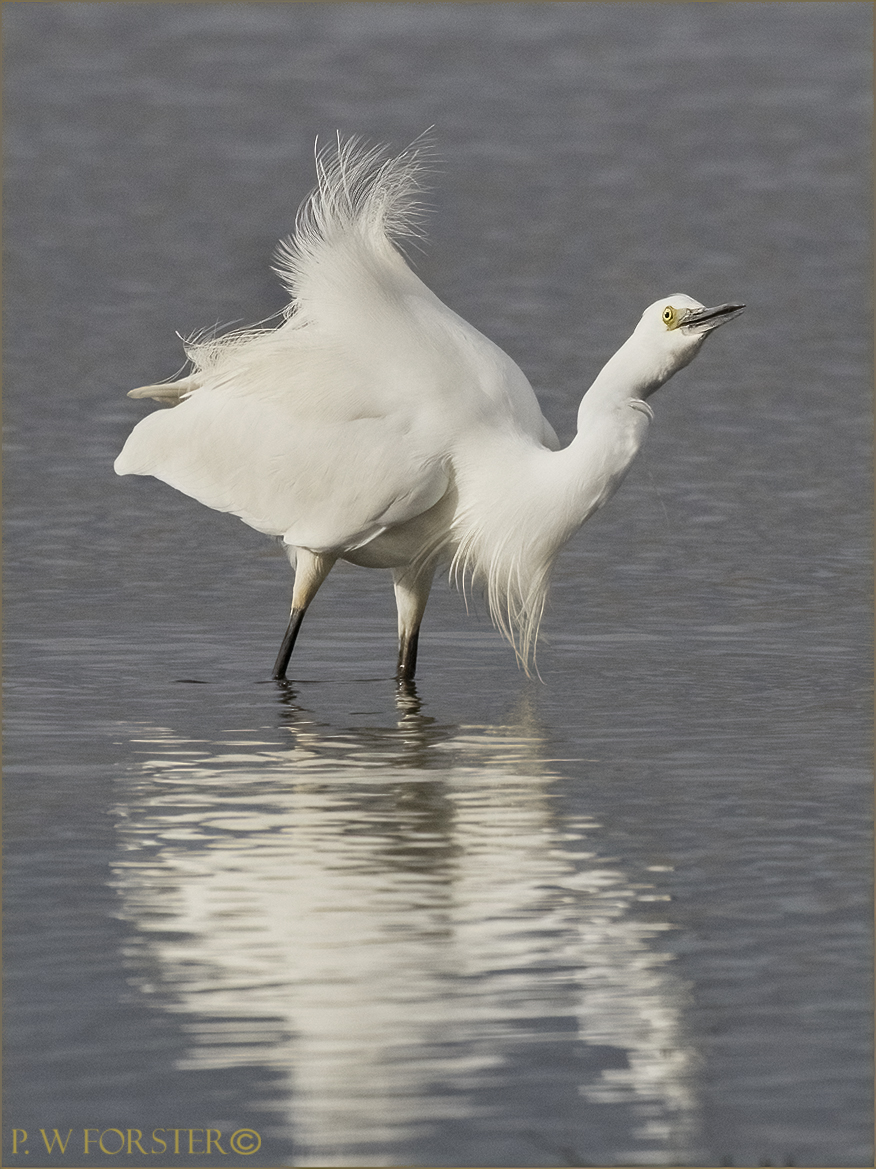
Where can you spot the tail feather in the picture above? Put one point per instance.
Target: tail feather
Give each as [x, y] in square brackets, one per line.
[169, 393]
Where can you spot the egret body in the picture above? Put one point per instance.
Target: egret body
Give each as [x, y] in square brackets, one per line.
[377, 426]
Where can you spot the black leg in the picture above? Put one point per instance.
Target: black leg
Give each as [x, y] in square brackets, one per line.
[407, 657]
[288, 643]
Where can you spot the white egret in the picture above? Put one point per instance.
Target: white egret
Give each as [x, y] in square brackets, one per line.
[376, 426]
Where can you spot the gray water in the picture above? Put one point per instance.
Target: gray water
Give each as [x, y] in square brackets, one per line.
[621, 916]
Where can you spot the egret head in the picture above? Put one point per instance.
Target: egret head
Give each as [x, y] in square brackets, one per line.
[671, 331]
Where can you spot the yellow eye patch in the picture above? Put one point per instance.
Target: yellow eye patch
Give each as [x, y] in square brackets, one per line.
[671, 317]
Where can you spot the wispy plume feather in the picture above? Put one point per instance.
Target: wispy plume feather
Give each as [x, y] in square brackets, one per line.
[360, 190]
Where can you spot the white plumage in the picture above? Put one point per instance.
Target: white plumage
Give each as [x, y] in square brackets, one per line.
[375, 425]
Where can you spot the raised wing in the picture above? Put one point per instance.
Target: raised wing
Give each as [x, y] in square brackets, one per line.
[348, 418]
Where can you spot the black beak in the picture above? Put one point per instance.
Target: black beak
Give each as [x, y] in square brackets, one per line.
[703, 320]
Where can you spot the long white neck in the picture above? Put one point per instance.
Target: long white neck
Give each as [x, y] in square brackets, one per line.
[635, 371]
[613, 420]
[510, 537]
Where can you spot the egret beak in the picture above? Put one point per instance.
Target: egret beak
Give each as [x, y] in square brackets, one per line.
[703, 320]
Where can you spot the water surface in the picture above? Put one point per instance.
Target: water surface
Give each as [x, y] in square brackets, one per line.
[621, 916]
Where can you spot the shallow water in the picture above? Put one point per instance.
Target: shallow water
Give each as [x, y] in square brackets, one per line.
[618, 916]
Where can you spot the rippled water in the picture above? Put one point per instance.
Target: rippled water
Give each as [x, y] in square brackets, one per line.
[620, 916]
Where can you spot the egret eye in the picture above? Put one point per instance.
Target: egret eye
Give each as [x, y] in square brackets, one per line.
[669, 315]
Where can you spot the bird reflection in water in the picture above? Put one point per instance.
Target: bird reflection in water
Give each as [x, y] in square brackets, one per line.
[433, 958]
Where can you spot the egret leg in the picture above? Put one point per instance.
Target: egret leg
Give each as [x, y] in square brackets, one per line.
[411, 595]
[407, 656]
[288, 644]
[311, 569]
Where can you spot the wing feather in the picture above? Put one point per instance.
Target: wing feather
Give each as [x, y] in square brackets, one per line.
[348, 417]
